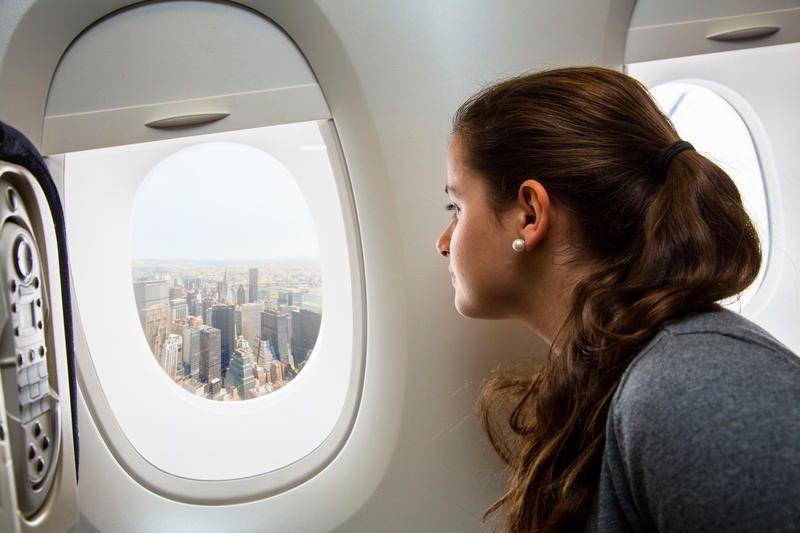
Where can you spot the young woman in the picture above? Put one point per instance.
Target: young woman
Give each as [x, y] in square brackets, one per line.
[578, 211]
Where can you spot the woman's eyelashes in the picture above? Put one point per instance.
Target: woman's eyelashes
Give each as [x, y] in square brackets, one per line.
[452, 208]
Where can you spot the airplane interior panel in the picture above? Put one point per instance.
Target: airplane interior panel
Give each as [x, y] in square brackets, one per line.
[274, 347]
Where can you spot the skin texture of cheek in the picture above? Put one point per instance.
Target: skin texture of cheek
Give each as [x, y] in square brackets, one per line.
[484, 280]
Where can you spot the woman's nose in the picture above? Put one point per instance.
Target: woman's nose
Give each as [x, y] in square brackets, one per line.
[443, 242]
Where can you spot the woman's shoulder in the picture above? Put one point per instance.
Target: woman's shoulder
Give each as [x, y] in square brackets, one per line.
[707, 359]
[704, 432]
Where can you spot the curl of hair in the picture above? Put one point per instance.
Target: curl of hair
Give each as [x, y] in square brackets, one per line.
[660, 250]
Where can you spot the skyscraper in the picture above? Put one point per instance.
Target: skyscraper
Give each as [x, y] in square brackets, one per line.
[148, 294]
[156, 327]
[208, 301]
[225, 290]
[251, 322]
[178, 309]
[209, 354]
[223, 317]
[191, 297]
[275, 329]
[305, 330]
[172, 355]
[240, 374]
[191, 351]
[253, 295]
[240, 296]
[265, 354]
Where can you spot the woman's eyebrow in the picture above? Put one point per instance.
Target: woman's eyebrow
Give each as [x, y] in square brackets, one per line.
[450, 189]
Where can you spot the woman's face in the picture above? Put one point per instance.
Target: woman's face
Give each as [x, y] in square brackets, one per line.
[478, 244]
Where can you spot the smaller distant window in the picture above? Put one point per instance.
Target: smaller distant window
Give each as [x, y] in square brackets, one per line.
[716, 129]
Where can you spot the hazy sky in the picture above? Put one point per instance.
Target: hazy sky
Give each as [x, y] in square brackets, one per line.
[221, 201]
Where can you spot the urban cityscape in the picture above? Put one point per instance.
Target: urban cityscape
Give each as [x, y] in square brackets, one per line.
[229, 331]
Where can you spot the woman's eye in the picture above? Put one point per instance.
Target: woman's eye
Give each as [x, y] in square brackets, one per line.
[453, 208]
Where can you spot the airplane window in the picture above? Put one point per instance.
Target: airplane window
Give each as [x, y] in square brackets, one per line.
[198, 266]
[226, 273]
[716, 129]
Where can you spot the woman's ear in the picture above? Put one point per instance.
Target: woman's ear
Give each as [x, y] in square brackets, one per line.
[534, 219]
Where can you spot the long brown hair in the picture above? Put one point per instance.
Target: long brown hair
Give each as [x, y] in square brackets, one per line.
[662, 248]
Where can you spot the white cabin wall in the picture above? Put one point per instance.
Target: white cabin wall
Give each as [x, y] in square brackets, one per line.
[416, 64]
[393, 74]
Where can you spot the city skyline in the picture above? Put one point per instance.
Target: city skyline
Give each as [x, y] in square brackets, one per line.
[229, 333]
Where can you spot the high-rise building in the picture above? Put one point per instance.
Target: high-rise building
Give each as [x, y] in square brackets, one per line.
[175, 293]
[241, 298]
[208, 301]
[223, 317]
[305, 330]
[265, 354]
[209, 355]
[191, 298]
[196, 309]
[191, 351]
[240, 373]
[178, 309]
[260, 375]
[214, 388]
[290, 298]
[253, 292]
[148, 294]
[172, 355]
[276, 371]
[238, 321]
[251, 322]
[156, 327]
[275, 329]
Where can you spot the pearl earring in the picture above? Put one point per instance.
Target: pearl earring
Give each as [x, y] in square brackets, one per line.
[518, 245]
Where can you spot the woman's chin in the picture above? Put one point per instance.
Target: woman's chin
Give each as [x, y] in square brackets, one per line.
[470, 309]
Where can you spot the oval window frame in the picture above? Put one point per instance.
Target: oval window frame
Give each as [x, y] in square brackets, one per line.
[253, 487]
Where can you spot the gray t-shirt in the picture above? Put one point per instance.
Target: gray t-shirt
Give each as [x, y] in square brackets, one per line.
[703, 434]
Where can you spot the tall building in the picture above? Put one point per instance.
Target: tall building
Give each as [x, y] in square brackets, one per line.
[253, 293]
[148, 294]
[275, 329]
[172, 355]
[191, 298]
[191, 351]
[208, 301]
[276, 371]
[223, 317]
[175, 293]
[178, 309]
[305, 330]
[238, 321]
[290, 298]
[240, 373]
[241, 298]
[156, 327]
[265, 354]
[209, 355]
[251, 322]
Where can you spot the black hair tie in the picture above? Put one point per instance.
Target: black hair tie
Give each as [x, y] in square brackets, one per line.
[668, 154]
